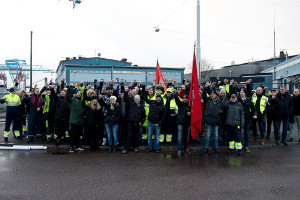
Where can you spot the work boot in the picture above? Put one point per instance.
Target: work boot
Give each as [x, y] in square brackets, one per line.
[205, 150]
[247, 149]
[19, 138]
[253, 139]
[110, 149]
[262, 141]
[229, 151]
[148, 150]
[217, 150]
[5, 139]
[58, 142]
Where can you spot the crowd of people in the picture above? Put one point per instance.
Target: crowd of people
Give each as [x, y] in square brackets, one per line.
[125, 115]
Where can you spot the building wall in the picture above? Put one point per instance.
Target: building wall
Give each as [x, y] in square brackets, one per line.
[145, 75]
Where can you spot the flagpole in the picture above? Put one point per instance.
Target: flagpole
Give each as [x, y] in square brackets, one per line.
[198, 52]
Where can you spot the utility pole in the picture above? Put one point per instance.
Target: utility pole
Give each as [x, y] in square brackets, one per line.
[198, 48]
[30, 60]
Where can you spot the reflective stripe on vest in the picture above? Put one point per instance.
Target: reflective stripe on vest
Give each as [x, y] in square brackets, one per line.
[13, 99]
[173, 105]
[47, 104]
[263, 102]
[231, 145]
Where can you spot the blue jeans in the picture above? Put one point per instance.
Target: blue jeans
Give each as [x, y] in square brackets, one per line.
[182, 136]
[246, 134]
[261, 124]
[156, 129]
[112, 131]
[284, 129]
[210, 129]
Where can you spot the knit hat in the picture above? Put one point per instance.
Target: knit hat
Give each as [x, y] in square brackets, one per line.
[77, 91]
[11, 89]
[158, 95]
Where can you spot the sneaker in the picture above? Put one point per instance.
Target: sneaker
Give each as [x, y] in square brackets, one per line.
[71, 150]
[136, 150]
[179, 153]
[246, 149]
[148, 150]
[124, 151]
[216, 150]
[268, 137]
[284, 142]
[157, 151]
[79, 148]
[239, 153]
[110, 149]
[205, 150]
[6, 139]
[277, 142]
[290, 140]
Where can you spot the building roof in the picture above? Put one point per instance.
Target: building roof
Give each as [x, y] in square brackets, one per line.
[281, 65]
[125, 67]
[258, 61]
[90, 58]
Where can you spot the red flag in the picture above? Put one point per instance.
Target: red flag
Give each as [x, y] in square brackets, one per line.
[159, 77]
[196, 106]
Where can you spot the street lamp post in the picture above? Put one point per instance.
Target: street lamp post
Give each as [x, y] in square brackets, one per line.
[198, 48]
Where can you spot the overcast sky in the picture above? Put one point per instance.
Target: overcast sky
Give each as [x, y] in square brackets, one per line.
[230, 30]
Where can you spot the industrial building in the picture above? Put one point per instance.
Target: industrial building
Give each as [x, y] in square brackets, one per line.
[287, 73]
[251, 67]
[89, 69]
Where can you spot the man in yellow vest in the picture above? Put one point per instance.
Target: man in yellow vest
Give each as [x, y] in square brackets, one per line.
[13, 108]
[171, 110]
[150, 96]
[260, 102]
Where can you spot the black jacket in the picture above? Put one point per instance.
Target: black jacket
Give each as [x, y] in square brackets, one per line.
[249, 108]
[156, 111]
[283, 106]
[94, 117]
[113, 113]
[62, 107]
[136, 113]
[296, 105]
[183, 108]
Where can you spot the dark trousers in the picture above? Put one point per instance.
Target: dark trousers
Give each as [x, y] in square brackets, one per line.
[93, 137]
[76, 131]
[261, 124]
[60, 128]
[35, 124]
[270, 120]
[284, 129]
[132, 135]
[12, 118]
[122, 132]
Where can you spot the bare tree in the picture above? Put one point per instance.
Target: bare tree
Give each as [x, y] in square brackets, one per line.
[206, 68]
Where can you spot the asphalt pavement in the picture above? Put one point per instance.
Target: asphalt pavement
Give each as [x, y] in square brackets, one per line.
[268, 172]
